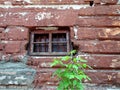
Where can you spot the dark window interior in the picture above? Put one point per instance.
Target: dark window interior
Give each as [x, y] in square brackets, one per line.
[59, 43]
[49, 42]
[41, 42]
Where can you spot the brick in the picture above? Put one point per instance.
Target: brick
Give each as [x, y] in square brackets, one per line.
[1, 46]
[55, 2]
[1, 30]
[42, 78]
[95, 61]
[17, 33]
[97, 77]
[60, 17]
[12, 47]
[0, 36]
[14, 57]
[96, 46]
[102, 21]
[56, 18]
[103, 61]
[43, 2]
[109, 1]
[40, 62]
[98, 33]
[103, 1]
[104, 76]
[95, 1]
[3, 36]
[100, 10]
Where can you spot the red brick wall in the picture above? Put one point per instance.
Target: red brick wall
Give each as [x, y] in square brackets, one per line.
[98, 34]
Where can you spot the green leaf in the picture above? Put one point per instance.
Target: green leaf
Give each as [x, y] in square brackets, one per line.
[54, 63]
[75, 67]
[69, 66]
[78, 77]
[65, 58]
[75, 82]
[72, 74]
[72, 52]
[80, 86]
[82, 60]
[84, 65]
[66, 83]
[61, 86]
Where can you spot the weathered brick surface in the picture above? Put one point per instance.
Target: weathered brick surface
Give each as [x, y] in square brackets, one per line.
[97, 76]
[96, 46]
[36, 18]
[109, 1]
[12, 47]
[100, 10]
[1, 30]
[53, 17]
[51, 2]
[104, 76]
[1, 46]
[87, 87]
[98, 33]
[16, 33]
[103, 61]
[101, 21]
[94, 60]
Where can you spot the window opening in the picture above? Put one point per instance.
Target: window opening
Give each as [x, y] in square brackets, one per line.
[59, 42]
[41, 42]
[52, 42]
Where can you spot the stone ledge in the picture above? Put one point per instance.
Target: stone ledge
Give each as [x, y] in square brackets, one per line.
[16, 74]
[88, 87]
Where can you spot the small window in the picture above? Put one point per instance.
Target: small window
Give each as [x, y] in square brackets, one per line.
[49, 42]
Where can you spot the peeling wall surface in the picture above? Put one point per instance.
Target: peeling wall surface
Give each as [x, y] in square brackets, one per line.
[94, 29]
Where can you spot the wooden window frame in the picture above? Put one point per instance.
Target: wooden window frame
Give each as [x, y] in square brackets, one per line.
[49, 32]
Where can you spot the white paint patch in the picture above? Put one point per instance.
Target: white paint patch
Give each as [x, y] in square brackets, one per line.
[15, 82]
[117, 11]
[23, 13]
[21, 28]
[57, 17]
[86, 16]
[9, 13]
[61, 7]
[43, 15]
[43, 65]
[7, 3]
[26, 19]
[75, 28]
[18, 0]
[28, 1]
[2, 77]
[21, 77]
[102, 3]
[1, 15]
[60, 0]
[113, 89]
[76, 1]
[10, 82]
[118, 2]
[7, 30]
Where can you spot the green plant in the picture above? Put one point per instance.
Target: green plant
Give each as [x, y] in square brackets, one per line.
[72, 73]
